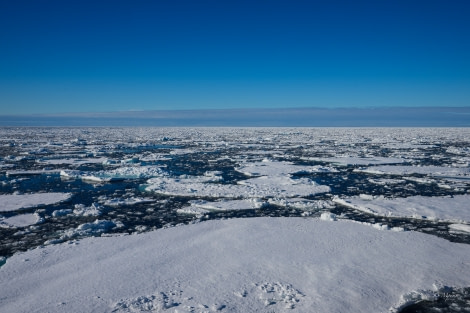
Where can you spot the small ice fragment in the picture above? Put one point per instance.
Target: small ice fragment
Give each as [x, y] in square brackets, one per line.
[328, 216]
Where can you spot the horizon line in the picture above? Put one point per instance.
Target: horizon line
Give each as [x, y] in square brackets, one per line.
[252, 117]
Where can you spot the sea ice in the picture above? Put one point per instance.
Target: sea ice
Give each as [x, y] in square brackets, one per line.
[350, 160]
[434, 171]
[21, 220]
[455, 208]
[116, 202]
[202, 206]
[236, 265]
[259, 187]
[118, 174]
[273, 168]
[23, 201]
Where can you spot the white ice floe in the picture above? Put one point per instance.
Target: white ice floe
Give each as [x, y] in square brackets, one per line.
[82, 210]
[275, 168]
[89, 229]
[62, 212]
[327, 216]
[460, 228]
[260, 187]
[302, 204]
[236, 265]
[275, 181]
[455, 208]
[32, 172]
[21, 220]
[202, 206]
[435, 171]
[117, 174]
[23, 201]
[72, 161]
[117, 202]
[352, 160]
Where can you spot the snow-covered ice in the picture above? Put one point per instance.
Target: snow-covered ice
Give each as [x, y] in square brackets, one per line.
[203, 206]
[351, 160]
[118, 174]
[238, 265]
[18, 201]
[21, 220]
[455, 208]
[258, 187]
[116, 202]
[437, 171]
[358, 189]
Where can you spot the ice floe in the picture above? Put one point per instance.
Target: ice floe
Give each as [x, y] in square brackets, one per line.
[72, 161]
[465, 228]
[237, 265]
[116, 202]
[301, 203]
[260, 187]
[202, 206]
[21, 220]
[95, 228]
[351, 160]
[451, 208]
[274, 180]
[436, 171]
[82, 210]
[23, 201]
[118, 174]
[274, 168]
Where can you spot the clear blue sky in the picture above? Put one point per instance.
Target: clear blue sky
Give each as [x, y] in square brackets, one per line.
[86, 56]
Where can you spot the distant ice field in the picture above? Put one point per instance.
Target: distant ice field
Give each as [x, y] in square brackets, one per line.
[59, 186]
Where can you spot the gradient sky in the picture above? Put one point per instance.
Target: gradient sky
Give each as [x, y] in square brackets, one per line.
[87, 56]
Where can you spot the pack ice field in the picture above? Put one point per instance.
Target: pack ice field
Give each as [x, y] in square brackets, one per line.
[239, 219]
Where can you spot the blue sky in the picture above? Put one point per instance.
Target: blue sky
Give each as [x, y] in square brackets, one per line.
[91, 56]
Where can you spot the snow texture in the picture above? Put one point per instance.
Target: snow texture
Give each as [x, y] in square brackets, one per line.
[275, 180]
[17, 201]
[455, 208]
[436, 171]
[238, 265]
[21, 220]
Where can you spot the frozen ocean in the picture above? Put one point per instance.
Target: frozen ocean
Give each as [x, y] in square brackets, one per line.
[234, 219]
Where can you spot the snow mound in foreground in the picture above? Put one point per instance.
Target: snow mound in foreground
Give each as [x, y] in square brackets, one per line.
[238, 265]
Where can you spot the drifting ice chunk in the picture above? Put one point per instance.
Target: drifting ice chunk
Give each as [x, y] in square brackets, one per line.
[202, 206]
[21, 220]
[89, 229]
[116, 202]
[327, 216]
[17, 202]
[453, 208]
[274, 168]
[260, 187]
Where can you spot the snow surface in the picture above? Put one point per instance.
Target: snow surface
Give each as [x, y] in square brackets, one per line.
[118, 174]
[17, 201]
[460, 228]
[72, 161]
[437, 171]
[281, 186]
[21, 220]
[455, 208]
[237, 265]
[116, 202]
[275, 180]
[274, 168]
[352, 160]
[202, 206]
